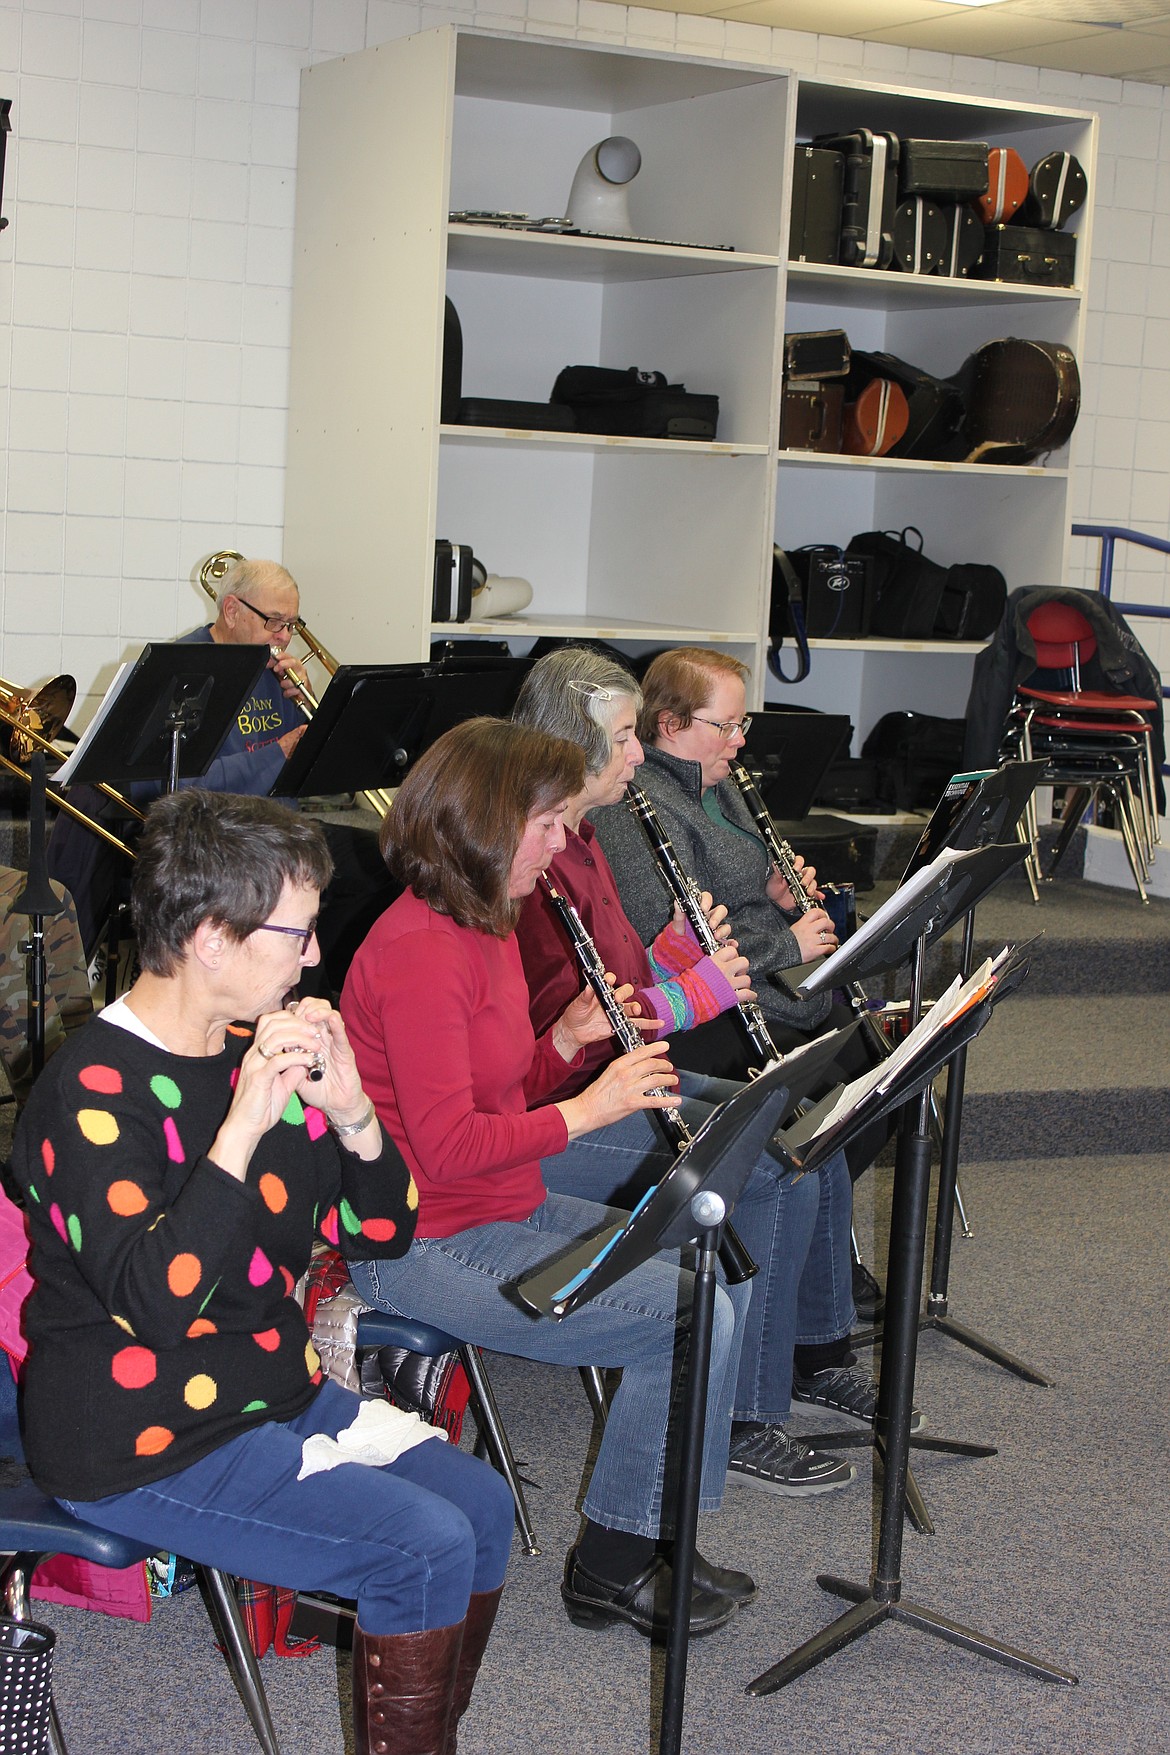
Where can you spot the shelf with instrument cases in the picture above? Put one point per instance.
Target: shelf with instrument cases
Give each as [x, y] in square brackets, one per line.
[642, 541]
[1013, 516]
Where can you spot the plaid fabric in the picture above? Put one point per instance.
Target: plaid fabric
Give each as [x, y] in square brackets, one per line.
[268, 1611]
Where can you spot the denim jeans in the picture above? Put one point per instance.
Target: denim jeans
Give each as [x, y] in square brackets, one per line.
[796, 1228]
[410, 1541]
[463, 1283]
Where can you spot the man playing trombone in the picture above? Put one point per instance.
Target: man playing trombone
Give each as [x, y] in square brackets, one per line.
[259, 605]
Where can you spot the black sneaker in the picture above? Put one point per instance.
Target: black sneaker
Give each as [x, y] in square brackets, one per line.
[765, 1456]
[847, 1391]
[869, 1300]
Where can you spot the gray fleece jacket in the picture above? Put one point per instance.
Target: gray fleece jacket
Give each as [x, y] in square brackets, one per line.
[733, 866]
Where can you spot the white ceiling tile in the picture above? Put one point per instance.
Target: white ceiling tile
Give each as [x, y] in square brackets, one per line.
[1115, 52]
[1102, 11]
[834, 18]
[971, 33]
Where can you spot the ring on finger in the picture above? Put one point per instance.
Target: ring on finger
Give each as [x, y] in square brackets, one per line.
[267, 1053]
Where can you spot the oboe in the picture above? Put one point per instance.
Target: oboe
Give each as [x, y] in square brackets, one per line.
[687, 893]
[737, 1263]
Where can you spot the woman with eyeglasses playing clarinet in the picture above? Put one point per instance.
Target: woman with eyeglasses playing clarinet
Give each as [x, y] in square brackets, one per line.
[797, 1231]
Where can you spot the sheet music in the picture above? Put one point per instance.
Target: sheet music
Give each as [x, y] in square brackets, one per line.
[65, 772]
[958, 998]
[891, 910]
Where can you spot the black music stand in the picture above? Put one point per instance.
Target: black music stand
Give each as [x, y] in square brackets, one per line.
[375, 720]
[40, 902]
[689, 1206]
[968, 877]
[974, 810]
[788, 754]
[174, 698]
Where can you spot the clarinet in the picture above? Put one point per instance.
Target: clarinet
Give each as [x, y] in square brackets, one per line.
[627, 1033]
[783, 858]
[737, 1263]
[686, 892]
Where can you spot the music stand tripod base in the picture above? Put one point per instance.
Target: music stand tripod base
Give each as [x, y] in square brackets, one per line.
[870, 1612]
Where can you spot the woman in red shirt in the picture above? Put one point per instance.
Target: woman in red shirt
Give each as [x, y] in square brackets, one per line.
[437, 1010]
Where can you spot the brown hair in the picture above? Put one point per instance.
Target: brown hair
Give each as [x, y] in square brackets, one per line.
[456, 822]
[679, 682]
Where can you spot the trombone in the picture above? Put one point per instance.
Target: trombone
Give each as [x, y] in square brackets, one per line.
[214, 567]
[36, 718]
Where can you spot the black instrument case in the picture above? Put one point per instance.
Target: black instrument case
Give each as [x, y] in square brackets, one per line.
[1028, 254]
[818, 186]
[871, 192]
[955, 169]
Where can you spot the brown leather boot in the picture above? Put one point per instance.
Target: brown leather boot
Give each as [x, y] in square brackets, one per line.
[481, 1613]
[403, 1685]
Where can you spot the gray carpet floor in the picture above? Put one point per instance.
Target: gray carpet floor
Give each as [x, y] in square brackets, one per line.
[1060, 1543]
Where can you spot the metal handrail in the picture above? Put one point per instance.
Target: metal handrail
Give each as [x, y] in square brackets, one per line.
[1109, 536]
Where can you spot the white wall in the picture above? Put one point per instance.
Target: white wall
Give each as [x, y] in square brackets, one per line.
[144, 288]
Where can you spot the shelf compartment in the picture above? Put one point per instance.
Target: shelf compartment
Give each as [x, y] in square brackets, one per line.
[596, 442]
[530, 627]
[552, 256]
[885, 289]
[916, 465]
[875, 643]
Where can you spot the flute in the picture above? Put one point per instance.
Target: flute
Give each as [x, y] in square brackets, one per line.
[687, 893]
[738, 1265]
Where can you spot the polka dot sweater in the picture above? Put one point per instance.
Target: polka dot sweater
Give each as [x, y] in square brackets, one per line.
[163, 1321]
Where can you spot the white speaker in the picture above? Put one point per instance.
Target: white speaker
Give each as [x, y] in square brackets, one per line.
[599, 198]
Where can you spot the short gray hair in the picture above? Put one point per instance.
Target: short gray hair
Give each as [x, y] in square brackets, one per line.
[245, 576]
[573, 693]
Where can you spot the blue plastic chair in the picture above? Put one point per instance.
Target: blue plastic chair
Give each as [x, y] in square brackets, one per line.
[378, 1328]
[33, 1528]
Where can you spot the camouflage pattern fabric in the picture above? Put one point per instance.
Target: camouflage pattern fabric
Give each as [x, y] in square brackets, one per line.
[67, 996]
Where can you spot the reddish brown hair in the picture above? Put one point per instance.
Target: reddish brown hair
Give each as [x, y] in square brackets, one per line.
[679, 682]
[456, 821]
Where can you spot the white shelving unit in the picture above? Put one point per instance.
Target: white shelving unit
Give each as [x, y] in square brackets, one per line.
[644, 542]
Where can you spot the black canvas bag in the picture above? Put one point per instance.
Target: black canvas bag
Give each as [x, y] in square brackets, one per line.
[907, 586]
[973, 601]
[634, 404]
[915, 755]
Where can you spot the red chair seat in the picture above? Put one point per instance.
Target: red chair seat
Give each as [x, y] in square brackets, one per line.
[1091, 700]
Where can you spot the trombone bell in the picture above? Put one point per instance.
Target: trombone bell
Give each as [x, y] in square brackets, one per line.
[43, 712]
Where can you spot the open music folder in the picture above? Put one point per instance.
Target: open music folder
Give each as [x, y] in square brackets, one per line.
[950, 1023]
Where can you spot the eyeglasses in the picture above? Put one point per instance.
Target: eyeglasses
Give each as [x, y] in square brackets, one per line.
[275, 624]
[304, 933]
[727, 727]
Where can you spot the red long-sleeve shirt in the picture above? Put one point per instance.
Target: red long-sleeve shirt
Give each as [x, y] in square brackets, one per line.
[438, 1018]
